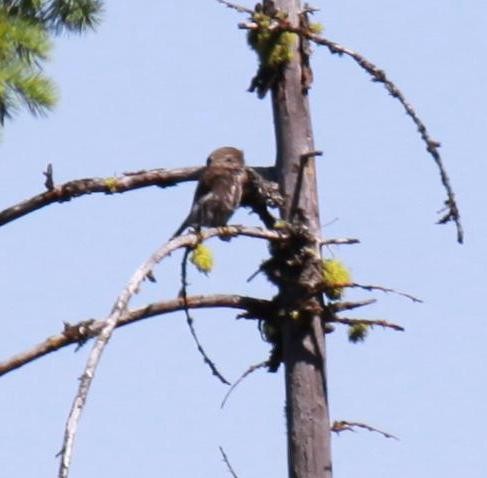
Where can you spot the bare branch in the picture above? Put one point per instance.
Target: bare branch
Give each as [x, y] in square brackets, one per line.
[341, 306]
[432, 146]
[119, 309]
[224, 456]
[83, 331]
[236, 7]
[323, 287]
[111, 185]
[338, 242]
[383, 289]
[260, 190]
[370, 323]
[250, 370]
[189, 319]
[340, 426]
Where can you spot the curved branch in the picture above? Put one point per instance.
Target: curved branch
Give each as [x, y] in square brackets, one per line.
[452, 213]
[83, 331]
[432, 146]
[190, 321]
[242, 377]
[110, 185]
[119, 310]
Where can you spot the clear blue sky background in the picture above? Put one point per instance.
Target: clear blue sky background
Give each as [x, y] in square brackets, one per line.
[161, 84]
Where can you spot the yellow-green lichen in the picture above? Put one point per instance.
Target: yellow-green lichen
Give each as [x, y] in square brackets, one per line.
[273, 46]
[316, 28]
[358, 332]
[202, 258]
[294, 314]
[280, 224]
[111, 184]
[335, 277]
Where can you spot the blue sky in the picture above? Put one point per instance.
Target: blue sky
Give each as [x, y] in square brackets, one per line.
[162, 87]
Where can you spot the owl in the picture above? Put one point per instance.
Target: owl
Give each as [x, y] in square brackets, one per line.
[219, 190]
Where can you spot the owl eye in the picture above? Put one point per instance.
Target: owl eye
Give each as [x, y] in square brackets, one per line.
[229, 159]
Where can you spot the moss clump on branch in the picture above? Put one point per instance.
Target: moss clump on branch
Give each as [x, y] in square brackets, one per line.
[111, 184]
[274, 47]
[202, 258]
[316, 28]
[358, 332]
[335, 277]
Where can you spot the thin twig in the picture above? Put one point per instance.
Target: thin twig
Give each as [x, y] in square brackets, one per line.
[338, 242]
[370, 323]
[85, 330]
[118, 310]
[341, 306]
[234, 6]
[48, 173]
[227, 462]
[383, 289]
[189, 319]
[340, 426]
[250, 370]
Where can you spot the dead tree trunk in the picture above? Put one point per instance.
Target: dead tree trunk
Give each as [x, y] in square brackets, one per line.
[308, 424]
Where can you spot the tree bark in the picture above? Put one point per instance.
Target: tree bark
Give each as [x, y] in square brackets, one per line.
[308, 423]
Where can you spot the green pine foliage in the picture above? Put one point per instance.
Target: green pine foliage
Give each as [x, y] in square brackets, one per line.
[24, 45]
[73, 15]
[25, 30]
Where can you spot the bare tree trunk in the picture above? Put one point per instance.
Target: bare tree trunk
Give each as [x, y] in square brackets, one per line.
[308, 424]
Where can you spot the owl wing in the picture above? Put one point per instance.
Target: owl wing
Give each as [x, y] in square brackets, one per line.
[203, 190]
[217, 195]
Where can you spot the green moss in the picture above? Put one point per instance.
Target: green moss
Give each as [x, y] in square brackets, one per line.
[111, 184]
[202, 258]
[335, 277]
[280, 224]
[316, 28]
[274, 48]
[358, 332]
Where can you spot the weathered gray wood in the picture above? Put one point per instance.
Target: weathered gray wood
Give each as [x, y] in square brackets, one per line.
[309, 450]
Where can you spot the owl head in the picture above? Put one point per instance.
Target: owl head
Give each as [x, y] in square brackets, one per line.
[226, 157]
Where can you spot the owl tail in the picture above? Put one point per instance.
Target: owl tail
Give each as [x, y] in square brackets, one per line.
[188, 222]
[180, 229]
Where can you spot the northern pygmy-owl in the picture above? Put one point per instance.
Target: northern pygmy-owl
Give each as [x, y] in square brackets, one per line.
[219, 190]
